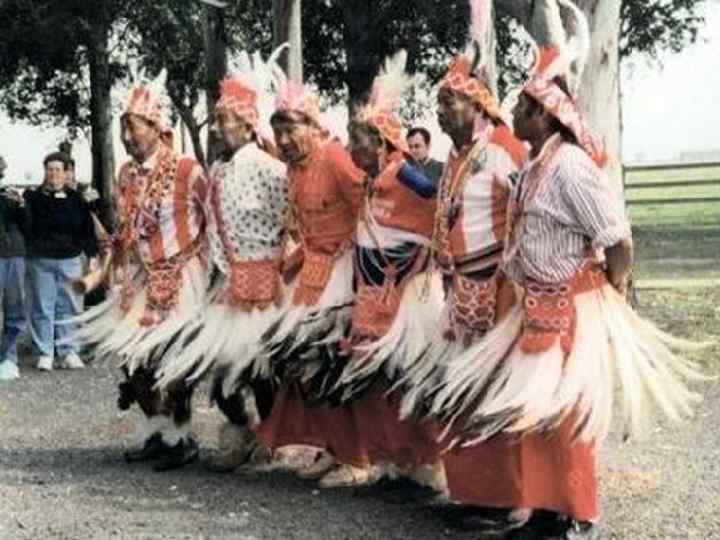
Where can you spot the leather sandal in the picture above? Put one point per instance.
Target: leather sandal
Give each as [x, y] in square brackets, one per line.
[346, 476]
[324, 462]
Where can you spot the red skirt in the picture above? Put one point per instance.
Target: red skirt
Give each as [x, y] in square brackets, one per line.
[539, 471]
[379, 436]
[293, 420]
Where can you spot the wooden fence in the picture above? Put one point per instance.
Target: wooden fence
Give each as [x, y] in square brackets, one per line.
[667, 167]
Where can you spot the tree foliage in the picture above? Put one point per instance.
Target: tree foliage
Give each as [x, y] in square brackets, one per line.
[44, 50]
[650, 27]
[45, 55]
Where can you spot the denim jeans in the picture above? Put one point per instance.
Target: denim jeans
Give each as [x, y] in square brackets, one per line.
[12, 298]
[51, 300]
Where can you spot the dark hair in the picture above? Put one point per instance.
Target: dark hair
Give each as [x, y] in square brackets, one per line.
[283, 116]
[372, 132]
[555, 125]
[57, 156]
[419, 130]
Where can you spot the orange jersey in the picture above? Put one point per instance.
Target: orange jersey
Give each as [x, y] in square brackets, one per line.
[326, 192]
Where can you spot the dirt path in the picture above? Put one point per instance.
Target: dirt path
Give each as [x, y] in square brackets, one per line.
[61, 475]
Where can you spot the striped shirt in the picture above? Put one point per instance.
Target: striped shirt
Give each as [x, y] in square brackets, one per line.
[162, 201]
[572, 211]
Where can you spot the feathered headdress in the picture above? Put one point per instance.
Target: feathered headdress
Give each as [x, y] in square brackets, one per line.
[249, 91]
[298, 98]
[149, 100]
[468, 72]
[564, 57]
[387, 91]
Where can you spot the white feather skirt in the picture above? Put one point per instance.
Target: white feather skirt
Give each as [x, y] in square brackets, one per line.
[114, 332]
[616, 357]
[411, 334]
[223, 338]
[325, 323]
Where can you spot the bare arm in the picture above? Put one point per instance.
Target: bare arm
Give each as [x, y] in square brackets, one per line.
[619, 259]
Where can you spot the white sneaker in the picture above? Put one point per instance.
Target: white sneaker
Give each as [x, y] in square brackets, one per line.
[72, 361]
[45, 363]
[9, 371]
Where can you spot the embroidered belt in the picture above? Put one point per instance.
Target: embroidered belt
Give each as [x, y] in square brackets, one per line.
[550, 312]
[164, 280]
[253, 284]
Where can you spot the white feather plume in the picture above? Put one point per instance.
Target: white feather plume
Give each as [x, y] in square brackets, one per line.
[578, 45]
[390, 84]
[214, 3]
[260, 75]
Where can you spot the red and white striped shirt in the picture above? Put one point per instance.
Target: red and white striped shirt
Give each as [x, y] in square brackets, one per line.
[161, 205]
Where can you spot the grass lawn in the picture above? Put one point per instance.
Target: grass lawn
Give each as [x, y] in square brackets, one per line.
[679, 242]
[676, 241]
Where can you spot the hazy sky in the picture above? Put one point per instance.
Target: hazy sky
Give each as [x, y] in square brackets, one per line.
[666, 110]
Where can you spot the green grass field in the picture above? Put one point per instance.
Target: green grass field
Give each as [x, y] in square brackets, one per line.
[676, 241]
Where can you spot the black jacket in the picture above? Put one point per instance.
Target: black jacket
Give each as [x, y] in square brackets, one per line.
[12, 242]
[58, 225]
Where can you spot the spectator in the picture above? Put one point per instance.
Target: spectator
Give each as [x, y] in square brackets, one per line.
[12, 277]
[418, 139]
[59, 228]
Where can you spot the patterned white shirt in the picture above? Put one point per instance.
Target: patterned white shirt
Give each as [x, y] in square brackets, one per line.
[248, 205]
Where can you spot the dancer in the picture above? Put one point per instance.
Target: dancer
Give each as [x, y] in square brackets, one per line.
[160, 266]
[396, 302]
[547, 372]
[247, 207]
[326, 192]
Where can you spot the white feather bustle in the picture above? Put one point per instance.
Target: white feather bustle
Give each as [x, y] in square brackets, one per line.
[330, 315]
[614, 350]
[117, 333]
[409, 336]
[221, 336]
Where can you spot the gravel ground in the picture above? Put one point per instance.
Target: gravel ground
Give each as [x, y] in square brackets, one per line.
[62, 476]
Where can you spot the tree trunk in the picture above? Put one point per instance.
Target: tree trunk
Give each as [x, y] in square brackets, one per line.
[599, 94]
[216, 68]
[190, 123]
[287, 28]
[103, 160]
[362, 59]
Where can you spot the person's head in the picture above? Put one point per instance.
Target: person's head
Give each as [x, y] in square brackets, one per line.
[296, 135]
[234, 130]
[532, 122]
[457, 113]
[56, 165]
[367, 147]
[140, 136]
[236, 114]
[418, 139]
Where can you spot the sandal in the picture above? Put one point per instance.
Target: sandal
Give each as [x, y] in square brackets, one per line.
[345, 476]
[324, 462]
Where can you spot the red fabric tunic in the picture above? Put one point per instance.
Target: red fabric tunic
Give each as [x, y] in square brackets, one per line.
[379, 436]
[396, 206]
[326, 191]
